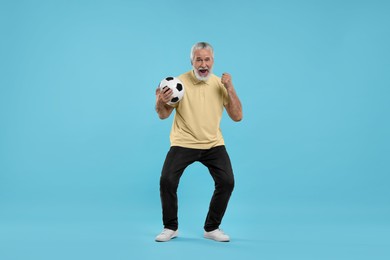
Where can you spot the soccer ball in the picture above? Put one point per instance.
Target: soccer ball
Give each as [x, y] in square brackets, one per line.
[176, 85]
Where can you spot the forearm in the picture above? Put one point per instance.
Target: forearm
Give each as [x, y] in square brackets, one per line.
[163, 110]
[234, 107]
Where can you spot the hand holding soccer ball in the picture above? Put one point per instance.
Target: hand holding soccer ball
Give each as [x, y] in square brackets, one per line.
[172, 90]
[165, 94]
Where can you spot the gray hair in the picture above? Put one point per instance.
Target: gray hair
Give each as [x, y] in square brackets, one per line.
[199, 46]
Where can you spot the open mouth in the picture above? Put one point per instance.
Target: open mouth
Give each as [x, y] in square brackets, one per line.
[203, 72]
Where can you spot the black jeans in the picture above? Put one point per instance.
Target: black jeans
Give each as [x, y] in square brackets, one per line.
[218, 163]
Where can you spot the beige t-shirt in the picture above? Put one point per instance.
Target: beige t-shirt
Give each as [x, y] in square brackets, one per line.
[196, 123]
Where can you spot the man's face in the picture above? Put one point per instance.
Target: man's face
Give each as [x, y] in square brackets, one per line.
[203, 63]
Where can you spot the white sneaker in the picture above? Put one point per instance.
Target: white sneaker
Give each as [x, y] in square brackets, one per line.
[217, 235]
[166, 235]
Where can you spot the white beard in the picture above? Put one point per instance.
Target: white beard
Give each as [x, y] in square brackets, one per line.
[199, 77]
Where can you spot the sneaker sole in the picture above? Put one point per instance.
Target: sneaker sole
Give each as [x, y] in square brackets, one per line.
[211, 238]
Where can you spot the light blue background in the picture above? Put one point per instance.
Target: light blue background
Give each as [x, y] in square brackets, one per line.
[81, 147]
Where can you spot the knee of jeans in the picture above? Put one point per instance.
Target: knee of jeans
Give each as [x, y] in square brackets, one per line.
[227, 184]
[168, 183]
[231, 184]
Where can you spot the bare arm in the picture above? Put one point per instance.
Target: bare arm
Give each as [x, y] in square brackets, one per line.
[162, 97]
[233, 107]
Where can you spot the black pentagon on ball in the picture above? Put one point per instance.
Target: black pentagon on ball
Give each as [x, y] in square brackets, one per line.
[174, 100]
[169, 78]
[179, 87]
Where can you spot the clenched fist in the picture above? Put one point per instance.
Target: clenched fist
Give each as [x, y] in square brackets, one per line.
[226, 80]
